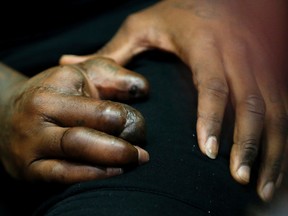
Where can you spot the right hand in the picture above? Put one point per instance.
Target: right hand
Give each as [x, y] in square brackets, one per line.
[60, 125]
[237, 53]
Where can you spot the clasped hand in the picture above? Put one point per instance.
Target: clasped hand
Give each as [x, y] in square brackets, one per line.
[61, 125]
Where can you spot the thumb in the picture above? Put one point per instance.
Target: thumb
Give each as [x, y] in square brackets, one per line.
[121, 48]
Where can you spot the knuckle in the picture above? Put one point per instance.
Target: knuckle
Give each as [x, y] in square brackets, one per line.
[206, 35]
[273, 167]
[66, 138]
[215, 87]
[71, 138]
[279, 122]
[250, 150]
[255, 104]
[240, 46]
[135, 20]
[34, 99]
[211, 117]
[65, 71]
[111, 110]
[143, 34]
[99, 63]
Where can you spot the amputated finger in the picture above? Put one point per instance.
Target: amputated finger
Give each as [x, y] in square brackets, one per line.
[110, 117]
[113, 81]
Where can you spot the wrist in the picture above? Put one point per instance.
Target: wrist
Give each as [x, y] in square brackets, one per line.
[10, 82]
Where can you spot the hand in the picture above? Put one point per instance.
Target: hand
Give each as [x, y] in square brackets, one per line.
[59, 126]
[237, 51]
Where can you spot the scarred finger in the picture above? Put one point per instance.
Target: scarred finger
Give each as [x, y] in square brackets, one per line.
[113, 81]
[110, 117]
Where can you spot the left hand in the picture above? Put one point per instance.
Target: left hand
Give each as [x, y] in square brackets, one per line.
[236, 51]
[61, 125]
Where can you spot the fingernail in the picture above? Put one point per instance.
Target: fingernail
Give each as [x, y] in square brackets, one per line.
[211, 147]
[143, 156]
[268, 191]
[244, 173]
[279, 180]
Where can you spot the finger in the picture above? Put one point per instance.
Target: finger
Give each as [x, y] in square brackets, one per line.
[272, 160]
[61, 171]
[100, 77]
[124, 45]
[106, 116]
[249, 111]
[113, 81]
[274, 142]
[284, 166]
[88, 146]
[212, 96]
[275, 131]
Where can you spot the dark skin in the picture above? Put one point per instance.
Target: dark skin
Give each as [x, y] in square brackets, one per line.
[61, 125]
[237, 51]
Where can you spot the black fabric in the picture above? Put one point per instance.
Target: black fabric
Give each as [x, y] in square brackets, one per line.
[178, 180]
[30, 20]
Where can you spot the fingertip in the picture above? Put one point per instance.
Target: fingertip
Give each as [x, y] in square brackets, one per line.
[143, 156]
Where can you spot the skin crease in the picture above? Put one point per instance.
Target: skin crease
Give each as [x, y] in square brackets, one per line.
[237, 51]
[61, 125]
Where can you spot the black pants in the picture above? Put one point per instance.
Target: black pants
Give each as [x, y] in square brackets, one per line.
[178, 180]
